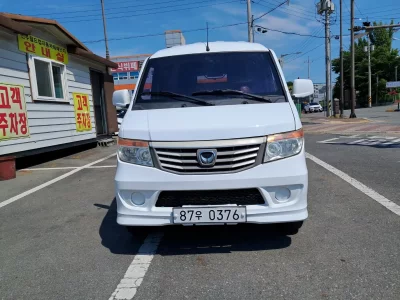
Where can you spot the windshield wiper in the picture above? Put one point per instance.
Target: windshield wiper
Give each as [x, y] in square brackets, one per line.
[232, 92]
[178, 97]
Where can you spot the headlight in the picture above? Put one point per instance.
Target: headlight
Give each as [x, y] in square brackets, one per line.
[284, 145]
[134, 152]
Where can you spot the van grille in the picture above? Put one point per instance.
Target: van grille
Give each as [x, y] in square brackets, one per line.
[229, 159]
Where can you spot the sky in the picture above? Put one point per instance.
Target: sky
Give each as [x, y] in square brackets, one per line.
[137, 26]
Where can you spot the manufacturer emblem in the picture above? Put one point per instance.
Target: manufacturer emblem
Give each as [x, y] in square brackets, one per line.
[207, 157]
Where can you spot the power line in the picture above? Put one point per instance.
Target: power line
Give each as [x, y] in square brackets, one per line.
[358, 8]
[161, 34]
[373, 9]
[150, 13]
[292, 14]
[80, 5]
[270, 11]
[291, 8]
[306, 52]
[288, 9]
[309, 40]
[199, 29]
[346, 6]
[108, 9]
[295, 33]
[138, 10]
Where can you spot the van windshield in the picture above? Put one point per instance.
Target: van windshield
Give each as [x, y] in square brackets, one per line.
[209, 79]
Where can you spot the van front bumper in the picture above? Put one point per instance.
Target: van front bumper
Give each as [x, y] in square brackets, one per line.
[146, 183]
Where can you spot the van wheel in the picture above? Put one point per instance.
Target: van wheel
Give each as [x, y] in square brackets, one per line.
[291, 228]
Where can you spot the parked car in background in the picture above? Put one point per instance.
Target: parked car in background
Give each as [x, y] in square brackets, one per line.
[312, 107]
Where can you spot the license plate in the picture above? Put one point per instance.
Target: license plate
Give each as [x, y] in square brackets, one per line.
[222, 214]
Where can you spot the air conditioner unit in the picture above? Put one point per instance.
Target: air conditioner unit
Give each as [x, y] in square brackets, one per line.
[320, 9]
[324, 5]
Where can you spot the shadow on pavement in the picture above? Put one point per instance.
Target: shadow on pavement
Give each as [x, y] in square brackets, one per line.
[115, 237]
[179, 240]
[37, 159]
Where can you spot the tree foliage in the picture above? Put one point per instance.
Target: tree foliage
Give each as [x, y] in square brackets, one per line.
[383, 61]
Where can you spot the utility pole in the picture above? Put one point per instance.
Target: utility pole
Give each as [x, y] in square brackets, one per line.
[369, 73]
[105, 29]
[308, 62]
[327, 7]
[352, 68]
[252, 27]
[395, 74]
[368, 49]
[328, 62]
[249, 22]
[341, 62]
[377, 86]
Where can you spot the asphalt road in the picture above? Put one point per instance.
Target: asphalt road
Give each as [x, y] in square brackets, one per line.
[62, 241]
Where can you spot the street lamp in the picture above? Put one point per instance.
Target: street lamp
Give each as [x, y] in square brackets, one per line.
[259, 29]
[368, 49]
[283, 55]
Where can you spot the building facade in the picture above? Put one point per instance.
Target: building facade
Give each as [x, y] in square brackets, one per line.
[127, 73]
[54, 92]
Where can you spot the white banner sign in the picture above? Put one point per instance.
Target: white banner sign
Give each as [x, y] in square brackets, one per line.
[392, 84]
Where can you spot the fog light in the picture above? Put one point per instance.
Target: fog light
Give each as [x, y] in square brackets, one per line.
[282, 194]
[138, 199]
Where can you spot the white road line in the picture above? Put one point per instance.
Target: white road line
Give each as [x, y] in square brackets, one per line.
[66, 168]
[327, 141]
[358, 185]
[39, 187]
[49, 169]
[356, 142]
[128, 285]
[100, 167]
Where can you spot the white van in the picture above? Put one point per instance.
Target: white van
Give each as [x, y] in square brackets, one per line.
[212, 137]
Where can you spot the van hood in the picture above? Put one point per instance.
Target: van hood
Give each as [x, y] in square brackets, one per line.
[208, 123]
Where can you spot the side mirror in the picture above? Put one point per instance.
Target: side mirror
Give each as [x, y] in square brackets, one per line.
[121, 98]
[302, 88]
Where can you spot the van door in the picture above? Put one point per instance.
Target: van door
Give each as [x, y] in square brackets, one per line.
[97, 81]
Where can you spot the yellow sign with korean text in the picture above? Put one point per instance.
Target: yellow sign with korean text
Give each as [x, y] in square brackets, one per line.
[34, 45]
[82, 112]
[13, 116]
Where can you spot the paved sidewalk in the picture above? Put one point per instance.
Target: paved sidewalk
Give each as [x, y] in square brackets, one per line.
[317, 123]
[352, 128]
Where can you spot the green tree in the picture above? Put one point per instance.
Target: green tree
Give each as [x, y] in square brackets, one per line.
[383, 62]
[290, 85]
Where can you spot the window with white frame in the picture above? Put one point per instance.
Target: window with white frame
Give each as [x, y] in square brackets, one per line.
[48, 79]
[123, 76]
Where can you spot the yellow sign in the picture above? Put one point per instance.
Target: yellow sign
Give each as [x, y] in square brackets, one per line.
[13, 116]
[34, 45]
[82, 112]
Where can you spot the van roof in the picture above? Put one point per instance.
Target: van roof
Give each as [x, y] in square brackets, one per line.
[214, 48]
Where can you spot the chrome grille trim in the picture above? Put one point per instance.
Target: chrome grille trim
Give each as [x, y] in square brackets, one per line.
[232, 155]
[209, 144]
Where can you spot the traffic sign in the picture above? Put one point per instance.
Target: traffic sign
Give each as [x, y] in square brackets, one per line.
[392, 84]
